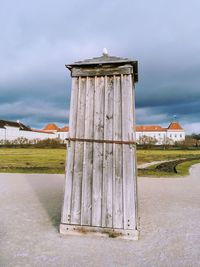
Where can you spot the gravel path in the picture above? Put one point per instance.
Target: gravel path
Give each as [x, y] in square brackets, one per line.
[30, 206]
[148, 164]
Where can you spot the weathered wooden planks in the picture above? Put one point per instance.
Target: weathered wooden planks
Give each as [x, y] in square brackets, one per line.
[78, 155]
[100, 177]
[117, 157]
[134, 154]
[107, 201]
[128, 169]
[86, 202]
[98, 151]
[108, 70]
[101, 188]
[66, 213]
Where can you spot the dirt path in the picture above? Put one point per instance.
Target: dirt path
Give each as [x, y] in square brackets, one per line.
[169, 210]
[148, 164]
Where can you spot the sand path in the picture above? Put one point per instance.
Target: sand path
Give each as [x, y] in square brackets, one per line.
[169, 210]
[148, 164]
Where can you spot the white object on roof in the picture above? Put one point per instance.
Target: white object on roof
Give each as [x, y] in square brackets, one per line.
[105, 51]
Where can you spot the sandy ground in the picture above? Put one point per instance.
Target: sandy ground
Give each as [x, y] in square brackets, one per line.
[169, 210]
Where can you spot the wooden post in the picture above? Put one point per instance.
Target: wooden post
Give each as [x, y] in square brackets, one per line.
[101, 184]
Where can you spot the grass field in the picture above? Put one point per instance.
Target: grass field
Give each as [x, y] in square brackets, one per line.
[144, 156]
[34, 160]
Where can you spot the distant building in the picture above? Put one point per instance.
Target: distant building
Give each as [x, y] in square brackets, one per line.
[60, 133]
[11, 130]
[158, 135]
[51, 127]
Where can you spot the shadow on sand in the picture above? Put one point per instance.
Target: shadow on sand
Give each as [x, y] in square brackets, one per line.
[49, 189]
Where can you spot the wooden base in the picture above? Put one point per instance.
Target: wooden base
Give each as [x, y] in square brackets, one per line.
[69, 229]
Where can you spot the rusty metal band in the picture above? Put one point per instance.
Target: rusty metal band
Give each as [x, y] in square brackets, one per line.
[119, 142]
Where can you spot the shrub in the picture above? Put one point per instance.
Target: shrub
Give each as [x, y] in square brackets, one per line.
[22, 142]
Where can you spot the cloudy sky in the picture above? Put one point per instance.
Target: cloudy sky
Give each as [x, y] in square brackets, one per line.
[37, 39]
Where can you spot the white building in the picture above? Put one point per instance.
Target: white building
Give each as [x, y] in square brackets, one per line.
[158, 135]
[11, 130]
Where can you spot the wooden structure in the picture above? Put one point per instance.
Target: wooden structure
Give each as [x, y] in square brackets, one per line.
[101, 187]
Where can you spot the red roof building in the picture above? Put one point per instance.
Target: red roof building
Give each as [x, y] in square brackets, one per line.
[175, 126]
[64, 129]
[149, 128]
[60, 133]
[51, 127]
[159, 135]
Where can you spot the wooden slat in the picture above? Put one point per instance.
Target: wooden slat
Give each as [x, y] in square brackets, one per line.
[66, 213]
[86, 207]
[134, 155]
[108, 154]
[128, 164]
[117, 157]
[98, 151]
[106, 70]
[78, 156]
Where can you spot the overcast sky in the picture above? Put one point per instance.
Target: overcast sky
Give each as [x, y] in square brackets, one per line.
[37, 39]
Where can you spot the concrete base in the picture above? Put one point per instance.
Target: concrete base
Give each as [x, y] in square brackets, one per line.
[69, 229]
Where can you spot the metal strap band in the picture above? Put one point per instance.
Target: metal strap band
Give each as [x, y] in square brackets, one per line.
[120, 142]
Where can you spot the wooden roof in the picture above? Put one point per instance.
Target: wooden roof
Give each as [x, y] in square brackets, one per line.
[106, 59]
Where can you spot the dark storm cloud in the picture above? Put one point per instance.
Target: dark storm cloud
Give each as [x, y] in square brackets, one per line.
[40, 37]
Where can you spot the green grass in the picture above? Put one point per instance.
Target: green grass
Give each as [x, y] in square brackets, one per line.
[35, 160]
[183, 168]
[153, 173]
[144, 156]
